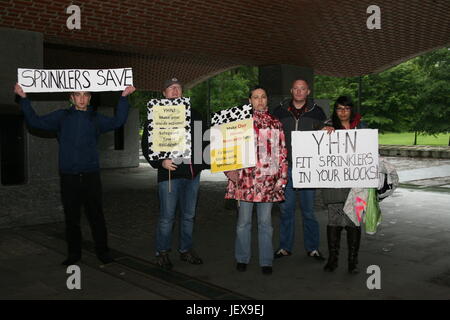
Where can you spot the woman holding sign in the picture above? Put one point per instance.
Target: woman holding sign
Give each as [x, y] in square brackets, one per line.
[263, 184]
[344, 117]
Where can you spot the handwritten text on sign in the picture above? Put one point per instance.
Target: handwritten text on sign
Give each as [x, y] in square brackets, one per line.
[232, 146]
[343, 159]
[169, 133]
[68, 80]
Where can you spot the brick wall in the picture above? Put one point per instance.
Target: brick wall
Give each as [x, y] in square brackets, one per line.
[162, 36]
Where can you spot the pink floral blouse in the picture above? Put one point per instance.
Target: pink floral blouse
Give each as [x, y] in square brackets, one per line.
[266, 181]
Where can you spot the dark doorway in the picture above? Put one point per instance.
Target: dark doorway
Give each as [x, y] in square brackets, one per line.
[119, 139]
[12, 150]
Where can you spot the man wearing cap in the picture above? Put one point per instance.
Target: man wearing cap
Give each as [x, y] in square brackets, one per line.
[185, 181]
[78, 129]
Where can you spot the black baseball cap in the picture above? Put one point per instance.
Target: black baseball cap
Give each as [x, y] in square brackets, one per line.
[170, 82]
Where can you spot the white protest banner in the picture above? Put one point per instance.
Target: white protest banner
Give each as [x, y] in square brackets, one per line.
[169, 128]
[343, 159]
[232, 139]
[68, 80]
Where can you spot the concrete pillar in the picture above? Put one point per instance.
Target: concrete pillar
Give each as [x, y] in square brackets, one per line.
[20, 49]
[110, 157]
[278, 80]
[36, 199]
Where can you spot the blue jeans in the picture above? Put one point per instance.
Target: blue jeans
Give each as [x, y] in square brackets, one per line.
[244, 235]
[311, 233]
[183, 193]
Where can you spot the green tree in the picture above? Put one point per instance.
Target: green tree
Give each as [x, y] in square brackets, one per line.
[227, 89]
[326, 87]
[139, 100]
[434, 92]
[412, 96]
[390, 98]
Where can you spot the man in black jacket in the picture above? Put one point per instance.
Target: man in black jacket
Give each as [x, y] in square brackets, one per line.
[185, 181]
[299, 114]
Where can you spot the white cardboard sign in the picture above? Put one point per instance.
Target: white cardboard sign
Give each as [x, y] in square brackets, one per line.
[69, 80]
[232, 139]
[169, 128]
[343, 159]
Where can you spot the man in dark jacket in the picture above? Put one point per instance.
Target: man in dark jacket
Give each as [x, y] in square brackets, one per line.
[299, 114]
[78, 129]
[184, 181]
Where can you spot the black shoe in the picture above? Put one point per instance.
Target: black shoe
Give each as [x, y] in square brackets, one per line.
[241, 267]
[316, 255]
[352, 268]
[163, 261]
[281, 253]
[266, 270]
[191, 256]
[71, 261]
[105, 258]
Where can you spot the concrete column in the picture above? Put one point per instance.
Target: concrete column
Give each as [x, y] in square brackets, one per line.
[37, 199]
[20, 49]
[278, 80]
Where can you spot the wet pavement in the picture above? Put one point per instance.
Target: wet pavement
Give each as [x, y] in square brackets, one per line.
[411, 248]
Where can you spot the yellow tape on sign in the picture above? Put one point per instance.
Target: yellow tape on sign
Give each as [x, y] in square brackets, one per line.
[226, 159]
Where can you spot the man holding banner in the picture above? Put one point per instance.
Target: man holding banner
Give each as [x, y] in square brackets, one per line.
[178, 181]
[78, 129]
[299, 114]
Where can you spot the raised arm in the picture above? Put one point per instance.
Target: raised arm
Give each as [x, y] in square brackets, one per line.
[112, 123]
[49, 122]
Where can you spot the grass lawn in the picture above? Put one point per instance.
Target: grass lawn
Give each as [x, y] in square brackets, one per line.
[407, 138]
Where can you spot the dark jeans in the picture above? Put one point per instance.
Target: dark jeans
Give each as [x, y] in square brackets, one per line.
[183, 193]
[311, 232]
[83, 190]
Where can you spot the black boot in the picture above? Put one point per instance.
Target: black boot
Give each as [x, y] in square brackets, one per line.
[334, 239]
[353, 240]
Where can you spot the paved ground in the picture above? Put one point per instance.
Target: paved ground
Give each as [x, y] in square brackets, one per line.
[411, 248]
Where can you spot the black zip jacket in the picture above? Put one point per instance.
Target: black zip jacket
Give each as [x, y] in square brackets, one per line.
[312, 119]
[186, 171]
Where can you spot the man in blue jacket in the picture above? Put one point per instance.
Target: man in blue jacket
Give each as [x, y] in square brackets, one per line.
[78, 129]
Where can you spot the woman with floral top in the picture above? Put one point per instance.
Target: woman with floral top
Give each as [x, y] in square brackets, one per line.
[261, 185]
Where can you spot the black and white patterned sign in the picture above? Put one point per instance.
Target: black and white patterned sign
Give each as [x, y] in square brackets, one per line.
[152, 106]
[232, 114]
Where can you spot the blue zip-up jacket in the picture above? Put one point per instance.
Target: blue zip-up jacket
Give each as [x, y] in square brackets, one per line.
[78, 133]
